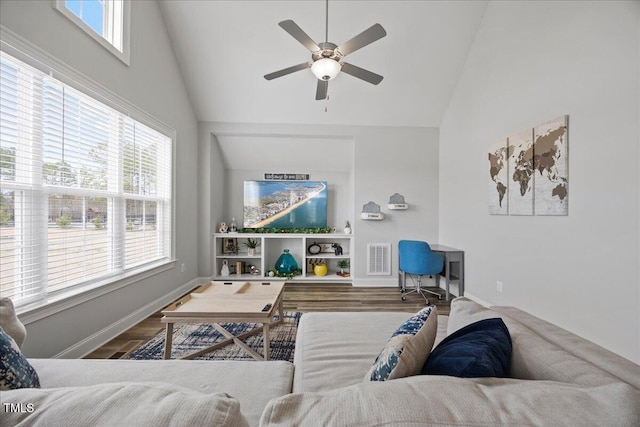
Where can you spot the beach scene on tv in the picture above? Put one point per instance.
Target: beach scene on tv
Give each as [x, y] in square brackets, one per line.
[285, 204]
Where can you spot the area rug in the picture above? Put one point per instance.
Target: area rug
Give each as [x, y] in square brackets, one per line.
[188, 338]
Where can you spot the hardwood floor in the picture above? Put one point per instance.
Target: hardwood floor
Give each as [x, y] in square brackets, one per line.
[297, 297]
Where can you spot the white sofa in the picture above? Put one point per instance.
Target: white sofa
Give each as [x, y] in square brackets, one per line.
[557, 378]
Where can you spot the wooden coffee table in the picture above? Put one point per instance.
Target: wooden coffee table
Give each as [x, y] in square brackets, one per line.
[220, 302]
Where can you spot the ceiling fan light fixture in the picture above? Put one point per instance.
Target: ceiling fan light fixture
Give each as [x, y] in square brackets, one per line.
[325, 68]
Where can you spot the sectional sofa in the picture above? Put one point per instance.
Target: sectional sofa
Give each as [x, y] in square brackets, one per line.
[555, 378]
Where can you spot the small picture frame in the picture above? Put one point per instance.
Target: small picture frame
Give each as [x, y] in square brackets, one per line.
[326, 247]
[230, 246]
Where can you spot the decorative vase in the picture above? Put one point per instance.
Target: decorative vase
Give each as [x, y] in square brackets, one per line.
[225, 268]
[251, 251]
[320, 269]
[347, 230]
[286, 263]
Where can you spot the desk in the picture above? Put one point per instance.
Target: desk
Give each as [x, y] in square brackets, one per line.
[453, 270]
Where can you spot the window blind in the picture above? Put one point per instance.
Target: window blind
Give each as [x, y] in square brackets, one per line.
[85, 190]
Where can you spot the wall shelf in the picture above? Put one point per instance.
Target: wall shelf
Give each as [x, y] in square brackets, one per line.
[372, 216]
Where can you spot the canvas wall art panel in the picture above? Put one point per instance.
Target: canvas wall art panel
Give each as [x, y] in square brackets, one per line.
[551, 166]
[536, 161]
[498, 178]
[520, 171]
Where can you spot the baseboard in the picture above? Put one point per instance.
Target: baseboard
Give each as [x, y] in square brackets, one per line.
[478, 300]
[376, 282]
[97, 340]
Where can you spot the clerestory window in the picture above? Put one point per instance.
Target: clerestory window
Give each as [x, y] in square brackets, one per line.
[107, 21]
[85, 190]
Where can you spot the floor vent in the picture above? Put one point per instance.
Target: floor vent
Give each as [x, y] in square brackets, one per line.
[379, 259]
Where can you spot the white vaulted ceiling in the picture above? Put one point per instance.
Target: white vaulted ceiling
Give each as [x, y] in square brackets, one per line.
[225, 47]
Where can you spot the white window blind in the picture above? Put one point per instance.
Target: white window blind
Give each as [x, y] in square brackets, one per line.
[85, 191]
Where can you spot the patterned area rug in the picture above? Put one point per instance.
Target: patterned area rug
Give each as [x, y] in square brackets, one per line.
[188, 338]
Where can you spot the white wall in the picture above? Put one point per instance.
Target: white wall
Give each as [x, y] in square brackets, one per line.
[386, 160]
[531, 62]
[153, 84]
[392, 160]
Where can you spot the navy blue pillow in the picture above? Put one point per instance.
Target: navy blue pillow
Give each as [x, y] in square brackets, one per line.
[481, 349]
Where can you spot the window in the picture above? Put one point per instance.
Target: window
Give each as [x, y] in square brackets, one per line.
[85, 190]
[107, 21]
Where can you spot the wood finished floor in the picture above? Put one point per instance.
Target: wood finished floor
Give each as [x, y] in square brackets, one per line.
[305, 297]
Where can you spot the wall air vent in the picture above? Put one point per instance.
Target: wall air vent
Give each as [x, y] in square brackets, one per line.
[379, 259]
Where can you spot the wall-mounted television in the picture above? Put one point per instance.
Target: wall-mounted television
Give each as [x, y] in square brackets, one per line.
[285, 204]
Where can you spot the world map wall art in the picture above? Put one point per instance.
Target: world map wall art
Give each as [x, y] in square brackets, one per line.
[529, 171]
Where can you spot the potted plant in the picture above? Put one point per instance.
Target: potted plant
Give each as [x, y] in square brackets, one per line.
[347, 228]
[320, 269]
[251, 245]
[343, 264]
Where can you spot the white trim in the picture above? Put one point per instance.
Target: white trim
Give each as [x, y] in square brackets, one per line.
[103, 336]
[124, 54]
[174, 186]
[46, 307]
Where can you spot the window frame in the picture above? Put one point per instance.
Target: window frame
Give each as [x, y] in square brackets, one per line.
[28, 53]
[124, 54]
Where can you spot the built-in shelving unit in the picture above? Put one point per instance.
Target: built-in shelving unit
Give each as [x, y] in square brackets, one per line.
[271, 247]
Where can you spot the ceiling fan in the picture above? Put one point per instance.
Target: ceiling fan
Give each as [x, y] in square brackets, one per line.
[326, 57]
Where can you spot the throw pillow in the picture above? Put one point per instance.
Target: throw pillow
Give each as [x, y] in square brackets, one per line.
[408, 348]
[481, 349]
[10, 322]
[15, 370]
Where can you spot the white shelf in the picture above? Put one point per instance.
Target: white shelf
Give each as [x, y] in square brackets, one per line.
[239, 255]
[271, 247]
[329, 277]
[329, 256]
[242, 277]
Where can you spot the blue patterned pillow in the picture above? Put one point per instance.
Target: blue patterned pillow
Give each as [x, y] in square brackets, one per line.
[481, 349]
[408, 348]
[15, 370]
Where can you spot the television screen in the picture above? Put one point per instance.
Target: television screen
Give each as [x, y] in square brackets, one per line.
[285, 204]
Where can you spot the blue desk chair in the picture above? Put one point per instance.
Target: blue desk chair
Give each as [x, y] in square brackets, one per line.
[416, 257]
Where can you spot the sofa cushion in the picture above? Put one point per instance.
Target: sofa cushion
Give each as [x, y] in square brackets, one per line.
[121, 404]
[408, 348]
[448, 401]
[533, 357]
[15, 370]
[253, 383]
[337, 349]
[481, 349]
[465, 312]
[588, 351]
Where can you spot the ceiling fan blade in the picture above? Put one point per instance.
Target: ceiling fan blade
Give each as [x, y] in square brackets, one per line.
[286, 71]
[321, 91]
[368, 36]
[361, 73]
[296, 32]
